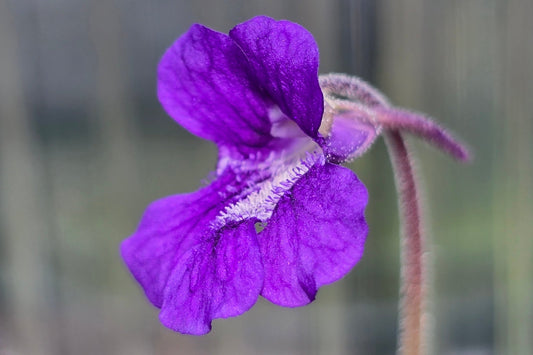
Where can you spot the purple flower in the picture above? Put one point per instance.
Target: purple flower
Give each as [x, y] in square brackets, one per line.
[281, 218]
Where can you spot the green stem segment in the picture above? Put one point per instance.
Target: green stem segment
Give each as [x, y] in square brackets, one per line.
[411, 339]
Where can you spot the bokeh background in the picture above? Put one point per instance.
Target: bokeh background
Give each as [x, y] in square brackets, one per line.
[85, 146]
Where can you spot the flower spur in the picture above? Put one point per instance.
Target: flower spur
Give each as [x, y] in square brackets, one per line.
[281, 135]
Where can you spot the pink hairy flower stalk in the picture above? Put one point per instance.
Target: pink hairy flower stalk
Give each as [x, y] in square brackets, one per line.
[349, 96]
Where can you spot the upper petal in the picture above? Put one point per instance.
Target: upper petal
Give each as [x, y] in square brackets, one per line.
[204, 83]
[284, 59]
[315, 235]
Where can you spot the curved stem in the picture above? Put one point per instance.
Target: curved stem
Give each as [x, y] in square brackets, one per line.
[348, 93]
[397, 119]
[411, 339]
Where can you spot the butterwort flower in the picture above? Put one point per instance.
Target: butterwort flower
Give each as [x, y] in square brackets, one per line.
[281, 218]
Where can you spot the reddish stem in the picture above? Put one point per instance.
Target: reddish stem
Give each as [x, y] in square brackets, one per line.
[412, 286]
[353, 94]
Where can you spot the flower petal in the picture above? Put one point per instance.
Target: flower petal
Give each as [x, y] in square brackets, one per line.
[350, 137]
[284, 59]
[204, 84]
[315, 235]
[220, 278]
[191, 269]
[169, 228]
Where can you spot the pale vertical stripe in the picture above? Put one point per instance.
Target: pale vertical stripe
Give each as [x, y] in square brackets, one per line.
[114, 110]
[401, 50]
[23, 222]
[114, 113]
[517, 231]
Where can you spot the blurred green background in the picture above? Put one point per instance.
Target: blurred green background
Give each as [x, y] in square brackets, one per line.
[85, 146]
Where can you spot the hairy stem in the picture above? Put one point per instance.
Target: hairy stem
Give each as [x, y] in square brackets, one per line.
[411, 338]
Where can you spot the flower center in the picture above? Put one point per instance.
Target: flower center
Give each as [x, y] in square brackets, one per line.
[264, 178]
